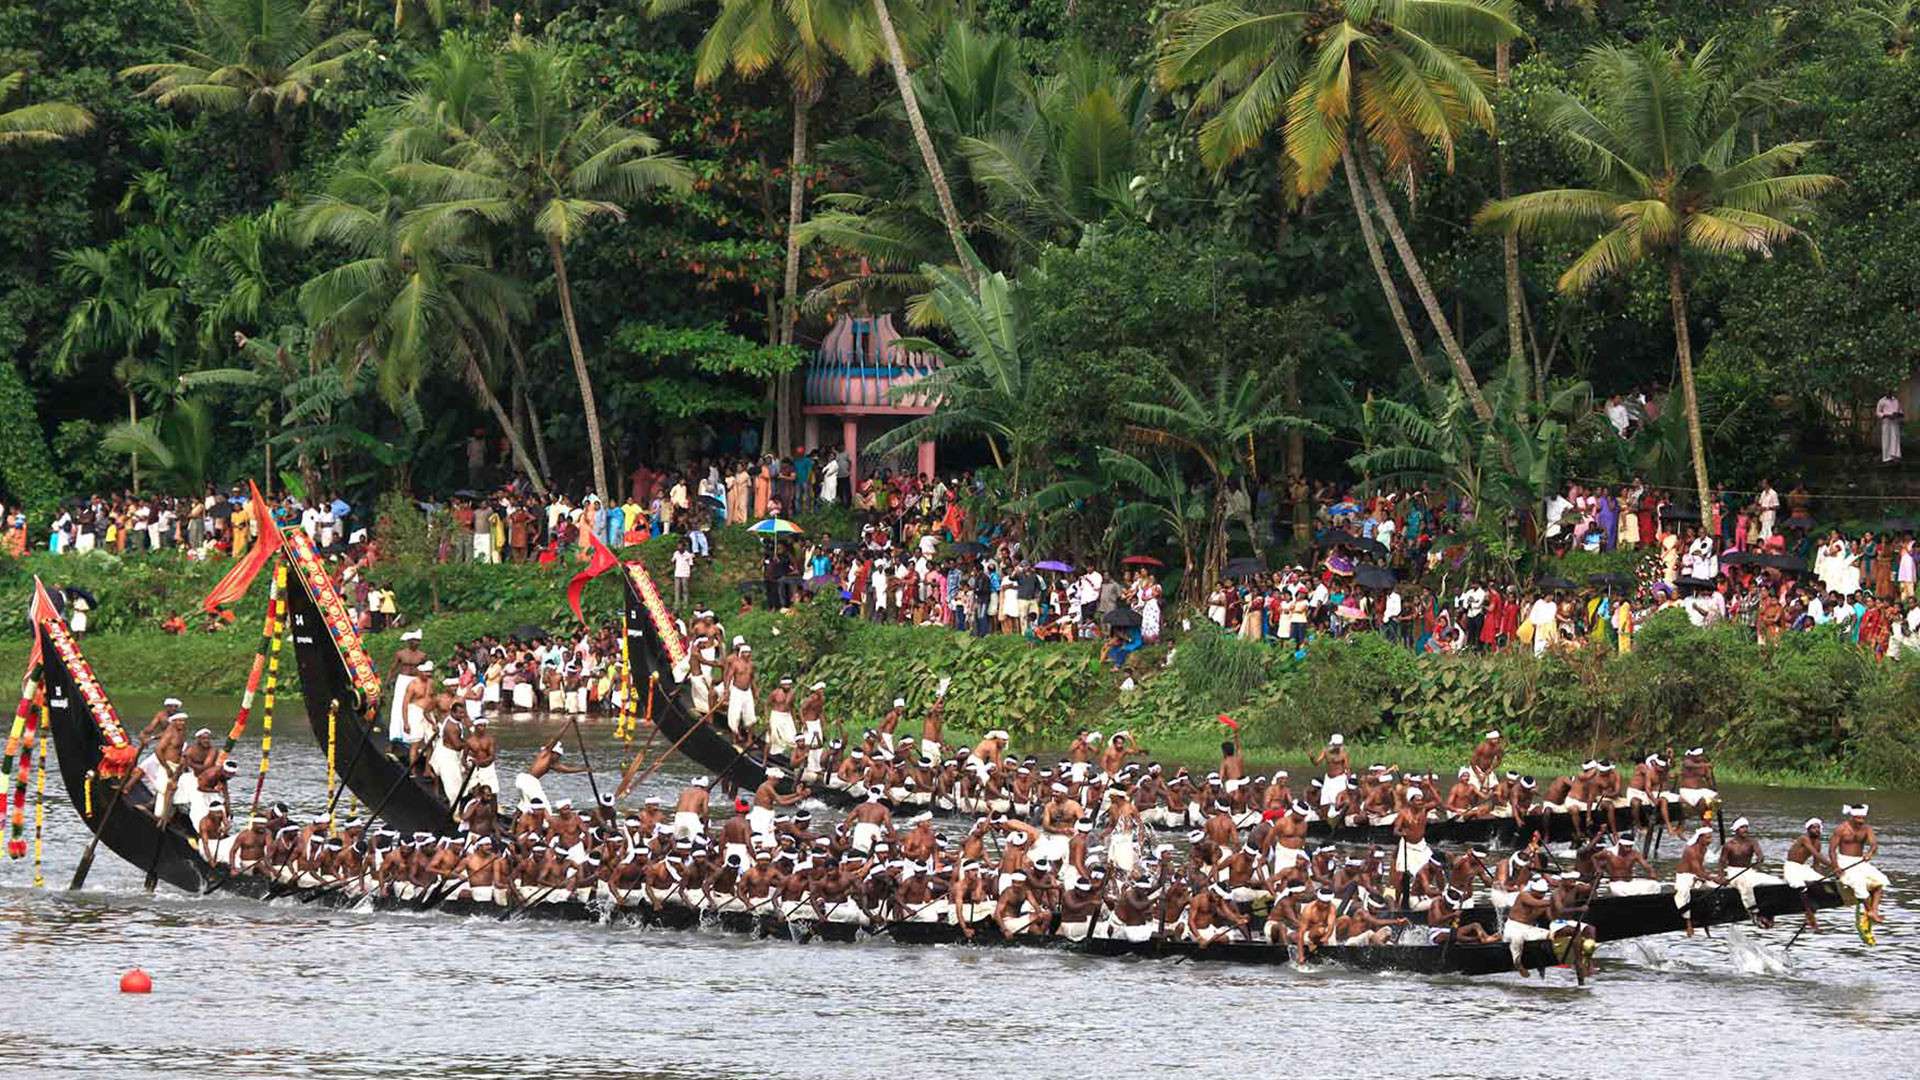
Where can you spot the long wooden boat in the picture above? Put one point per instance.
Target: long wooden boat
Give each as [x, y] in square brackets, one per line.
[1493, 831]
[96, 759]
[341, 690]
[1617, 918]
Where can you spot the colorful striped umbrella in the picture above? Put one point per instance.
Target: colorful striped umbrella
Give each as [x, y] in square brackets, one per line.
[775, 527]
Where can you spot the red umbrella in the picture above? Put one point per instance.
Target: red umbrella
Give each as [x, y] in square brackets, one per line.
[1141, 560]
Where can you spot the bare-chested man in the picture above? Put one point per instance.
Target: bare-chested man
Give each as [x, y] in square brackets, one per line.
[690, 810]
[1334, 758]
[1691, 870]
[813, 712]
[782, 732]
[406, 668]
[1484, 766]
[736, 679]
[1852, 851]
[548, 759]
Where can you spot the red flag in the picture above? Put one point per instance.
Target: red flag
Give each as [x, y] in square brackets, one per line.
[603, 560]
[1229, 721]
[39, 610]
[234, 585]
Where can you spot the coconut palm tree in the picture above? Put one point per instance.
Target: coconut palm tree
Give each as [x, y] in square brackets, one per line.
[801, 38]
[1220, 424]
[1660, 142]
[518, 149]
[41, 122]
[407, 296]
[1343, 79]
[937, 176]
[259, 56]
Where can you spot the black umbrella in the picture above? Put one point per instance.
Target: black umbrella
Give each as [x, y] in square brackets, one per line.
[1374, 577]
[527, 632]
[1613, 582]
[1123, 618]
[81, 593]
[1557, 584]
[1741, 558]
[969, 547]
[467, 493]
[1245, 568]
[1792, 564]
[1333, 536]
[1698, 584]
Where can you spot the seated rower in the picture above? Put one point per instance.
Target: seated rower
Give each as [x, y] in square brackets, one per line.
[1624, 865]
[1015, 913]
[1133, 916]
[1357, 925]
[1740, 860]
[1212, 916]
[1080, 908]
[1443, 916]
[1691, 871]
[1801, 867]
[1851, 851]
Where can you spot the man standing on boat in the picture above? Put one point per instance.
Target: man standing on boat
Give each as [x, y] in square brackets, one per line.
[1485, 764]
[737, 683]
[406, 666]
[1740, 859]
[1334, 757]
[1851, 851]
[546, 760]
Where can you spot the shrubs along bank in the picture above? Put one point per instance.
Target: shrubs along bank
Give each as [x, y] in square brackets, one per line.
[1812, 707]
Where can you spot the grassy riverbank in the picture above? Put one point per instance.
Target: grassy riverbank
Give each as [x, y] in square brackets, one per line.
[1811, 711]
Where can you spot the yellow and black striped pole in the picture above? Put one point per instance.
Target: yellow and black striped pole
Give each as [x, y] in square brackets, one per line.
[273, 681]
[40, 799]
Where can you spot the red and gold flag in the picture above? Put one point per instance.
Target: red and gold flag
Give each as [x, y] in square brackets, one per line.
[234, 585]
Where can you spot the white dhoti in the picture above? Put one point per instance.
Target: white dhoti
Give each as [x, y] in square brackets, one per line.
[1800, 875]
[446, 764]
[1410, 859]
[1207, 935]
[1332, 788]
[688, 825]
[1286, 858]
[530, 789]
[397, 709]
[1683, 887]
[1517, 934]
[486, 776]
[782, 733]
[523, 697]
[1695, 796]
[1745, 881]
[1122, 853]
[760, 820]
[932, 911]
[740, 715]
[1017, 924]
[1635, 887]
[1115, 930]
[1861, 877]
[1052, 846]
[1079, 930]
[865, 835]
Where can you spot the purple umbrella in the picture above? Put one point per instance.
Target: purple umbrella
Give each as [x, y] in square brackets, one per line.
[1055, 565]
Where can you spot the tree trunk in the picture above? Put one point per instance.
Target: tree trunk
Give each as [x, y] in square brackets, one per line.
[580, 374]
[133, 420]
[478, 380]
[1683, 350]
[1379, 260]
[1296, 462]
[1462, 371]
[803, 101]
[941, 191]
[1510, 246]
[526, 401]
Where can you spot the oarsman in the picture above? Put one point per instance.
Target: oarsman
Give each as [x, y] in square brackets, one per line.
[1697, 786]
[736, 678]
[1443, 915]
[249, 847]
[1411, 853]
[1628, 873]
[1015, 912]
[166, 769]
[1529, 919]
[1134, 914]
[1740, 860]
[1123, 831]
[406, 666]
[782, 731]
[890, 723]
[215, 843]
[1469, 872]
[419, 728]
[1357, 925]
[813, 711]
[1079, 907]
[690, 810]
[447, 758]
[1573, 795]
[1484, 767]
[546, 760]
[1317, 920]
[991, 750]
[482, 813]
[1649, 785]
[480, 870]
[1692, 871]
[1466, 799]
[931, 727]
[1801, 867]
[481, 755]
[768, 800]
[1212, 916]
[869, 822]
[1233, 765]
[1852, 851]
[1334, 758]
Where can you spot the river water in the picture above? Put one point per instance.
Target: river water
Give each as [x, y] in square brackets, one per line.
[243, 988]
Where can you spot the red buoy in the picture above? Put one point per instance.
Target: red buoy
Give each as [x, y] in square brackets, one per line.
[136, 982]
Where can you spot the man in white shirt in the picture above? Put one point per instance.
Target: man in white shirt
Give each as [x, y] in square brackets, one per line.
[1618, 416]
[682, 573]
[1769, 503]
[1390, 621]
[1544, 615]
[1557, 505]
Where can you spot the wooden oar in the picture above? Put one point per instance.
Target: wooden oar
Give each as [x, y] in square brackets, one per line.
[657, 762]
[120, 793]
[580, 740]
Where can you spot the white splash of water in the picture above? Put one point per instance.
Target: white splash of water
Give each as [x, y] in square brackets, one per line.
[1752, 957]
[1641, 953]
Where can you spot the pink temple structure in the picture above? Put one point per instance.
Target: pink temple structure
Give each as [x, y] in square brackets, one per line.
[855, 376]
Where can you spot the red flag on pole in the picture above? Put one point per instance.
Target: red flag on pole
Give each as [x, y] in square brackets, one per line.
[234, 585]
[603, 560]
[40, 609]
